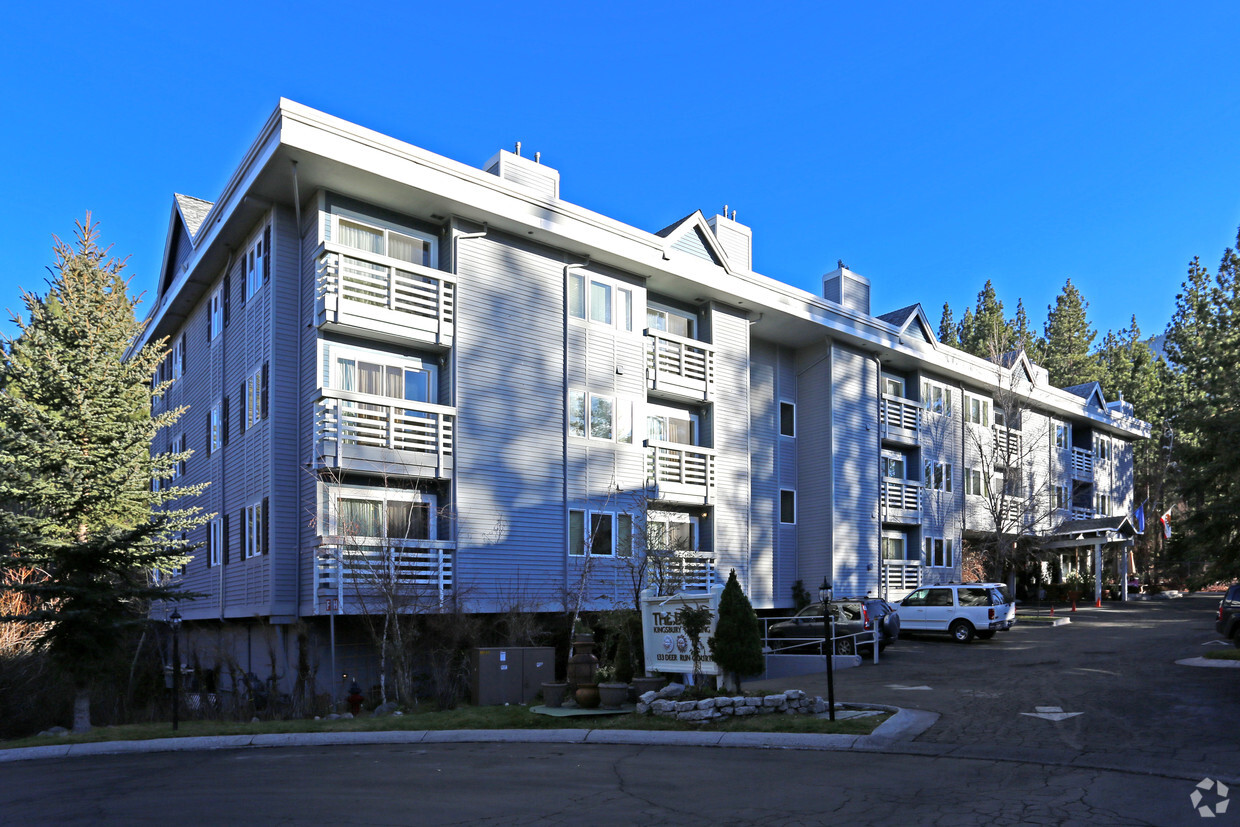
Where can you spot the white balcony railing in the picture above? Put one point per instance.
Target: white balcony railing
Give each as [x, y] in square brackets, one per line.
[358, 426]
[1007, 444]
[672, 571]
[900, 577]
[901, 497]
[1083, 514]
[681, 472]
[1082, 464]
[415, 573]
[375, 293]
[684, 367]
[898, 412]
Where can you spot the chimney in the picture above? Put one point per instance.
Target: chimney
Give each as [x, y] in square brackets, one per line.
[528, 173]
[848, 289]
[736, 240]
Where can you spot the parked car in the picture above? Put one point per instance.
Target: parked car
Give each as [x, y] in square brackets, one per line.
[962, 610]
[1228, 622]
[852, 615]
[1009, 619]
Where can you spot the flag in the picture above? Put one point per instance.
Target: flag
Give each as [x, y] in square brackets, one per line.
[1166, 524]
[1138, 518]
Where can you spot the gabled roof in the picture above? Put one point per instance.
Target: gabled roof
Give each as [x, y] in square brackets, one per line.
[1091, 392]
[193, 212]
[911, 318]
[694, 236]
[1015, 360]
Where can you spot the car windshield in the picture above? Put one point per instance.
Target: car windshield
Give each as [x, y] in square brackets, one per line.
[812, 610]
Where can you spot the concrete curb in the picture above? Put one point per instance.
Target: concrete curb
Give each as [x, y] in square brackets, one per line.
[903, 725]
[1209, 663]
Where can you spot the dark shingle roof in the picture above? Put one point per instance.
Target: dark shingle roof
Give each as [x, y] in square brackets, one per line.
[666, 231]
[899, 317]
[1084, 391]
[1095, 524]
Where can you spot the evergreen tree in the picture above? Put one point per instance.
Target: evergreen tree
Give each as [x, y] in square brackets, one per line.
[737, 643]
[964, 329]
[984, 332]
[947, 328]
[1069, 340]
[1023, 336]
[76, 469]
[1203, 343]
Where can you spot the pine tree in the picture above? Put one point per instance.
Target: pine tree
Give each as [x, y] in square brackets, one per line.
[947, 328]
[1203, 343]
[737, 643]
[76, 469]
[983, 331]
[1023, 336]
[1069, 340]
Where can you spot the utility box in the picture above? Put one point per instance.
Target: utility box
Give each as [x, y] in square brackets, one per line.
[509, 674]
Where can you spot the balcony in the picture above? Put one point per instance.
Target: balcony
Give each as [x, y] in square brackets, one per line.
[681, 473]
[1007, 444]
[901, 501]
[1082, 464]
[679, 368]
[414, 574]
[361, 432]
[669, 572]
[900, 419]
[900, 577]
[371, 295]
[1083, 513]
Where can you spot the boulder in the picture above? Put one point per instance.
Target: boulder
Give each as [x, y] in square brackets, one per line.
[672, 690]
[384, 709]
[708, 703]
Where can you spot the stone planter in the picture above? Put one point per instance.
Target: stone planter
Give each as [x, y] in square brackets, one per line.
[642, 685]
[553, 693]
[613, 695]
[587, 695]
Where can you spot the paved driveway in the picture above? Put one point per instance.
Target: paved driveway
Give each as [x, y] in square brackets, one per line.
[1114, 665]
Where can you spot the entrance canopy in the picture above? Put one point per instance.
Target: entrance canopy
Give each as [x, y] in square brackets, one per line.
[1092, 532]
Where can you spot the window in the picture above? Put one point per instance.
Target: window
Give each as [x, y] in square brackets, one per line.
[601, 540]
[939, 552]
[600, 417]
[893, 546]
[216, 542]
[938, 476]
[936, 398]
[787, 506]
[1013, 486]
[255, 395]
[624, 535]
[178, 358]
[1063, 435]
[671, 425]
[215, 315]
[671, 531]
[214, 430]
[384, 515]
[1062, 498]
[1102, 504]
[787, 419]
[602, 534]
[255, 529]
[893, 385]
[576, 533]
[977, 409]
[1102, 448]
[669, 320]
[255, 263]
[975, 483]
[600, 301]
[415, 248]
[893, 465]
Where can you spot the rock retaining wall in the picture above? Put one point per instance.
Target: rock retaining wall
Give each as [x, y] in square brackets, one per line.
[666, 705]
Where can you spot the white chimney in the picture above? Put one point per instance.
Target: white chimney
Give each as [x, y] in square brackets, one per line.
[846, 288]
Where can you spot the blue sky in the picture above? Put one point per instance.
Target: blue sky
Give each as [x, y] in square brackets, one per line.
[930, 146]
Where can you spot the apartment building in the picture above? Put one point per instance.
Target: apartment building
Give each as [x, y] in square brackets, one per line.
[398, 363]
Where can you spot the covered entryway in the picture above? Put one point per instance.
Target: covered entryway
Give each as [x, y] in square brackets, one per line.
[1104, 537]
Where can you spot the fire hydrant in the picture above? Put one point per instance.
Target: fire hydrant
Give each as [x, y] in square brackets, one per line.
[355, 699]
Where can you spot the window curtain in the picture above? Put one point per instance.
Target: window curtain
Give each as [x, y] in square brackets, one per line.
[361, 238]
[360, 518]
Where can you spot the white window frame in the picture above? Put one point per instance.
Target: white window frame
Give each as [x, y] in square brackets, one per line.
[666, 312]
[217, 431]
[621, 301]
[675, 517]
[1063, 498]
[215, 314]
[587, 523]
[668, 413]
[942, 471]
[332, 353]
[940, 549]
[893, 385]
[252, 530]
[977, 409]
[252, 262]
[253, 402]
[975, 483]
[793, 494]
[894, 535]
[1062, 434]
[383, 496]
[885, 461]
[431, 242]
[215, 542]
[178, 357]
[1102, 505]
[1103, 448]
[623, 416]
[942, 405]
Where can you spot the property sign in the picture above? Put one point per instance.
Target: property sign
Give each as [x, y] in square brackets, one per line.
[667, 646]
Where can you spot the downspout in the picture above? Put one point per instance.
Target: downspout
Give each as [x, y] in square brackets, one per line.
[749, 465]
[223, 476]
[301, 367]
[568, 268]
[878, 512]
[456, 267]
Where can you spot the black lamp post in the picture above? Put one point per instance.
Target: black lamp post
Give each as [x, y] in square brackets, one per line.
[828, 627]
[174, 620]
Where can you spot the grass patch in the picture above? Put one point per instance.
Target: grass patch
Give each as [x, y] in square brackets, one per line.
[465, 717]
[1223, 654]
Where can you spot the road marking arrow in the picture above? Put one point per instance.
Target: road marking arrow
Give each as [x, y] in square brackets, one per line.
[1217, 643]
[1051, 713]
[902, 686]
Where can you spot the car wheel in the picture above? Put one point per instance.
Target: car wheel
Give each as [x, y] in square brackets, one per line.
[846, 646]
[987, 635]
[962, 631]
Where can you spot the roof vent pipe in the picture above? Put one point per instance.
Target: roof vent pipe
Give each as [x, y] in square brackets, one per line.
[517, 152]
[538, 157]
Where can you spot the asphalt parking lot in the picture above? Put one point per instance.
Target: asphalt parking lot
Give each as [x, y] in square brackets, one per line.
[1114, 665]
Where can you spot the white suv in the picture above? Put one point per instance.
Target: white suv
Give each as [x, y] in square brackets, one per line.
[961, 610]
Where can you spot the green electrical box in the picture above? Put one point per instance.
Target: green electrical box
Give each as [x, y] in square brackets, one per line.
[509, 674]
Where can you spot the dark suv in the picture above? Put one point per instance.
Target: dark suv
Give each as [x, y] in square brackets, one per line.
[852, 615]
[1228, 623]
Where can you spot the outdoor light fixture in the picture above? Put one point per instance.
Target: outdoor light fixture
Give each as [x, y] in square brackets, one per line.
[828, 631]
[174, 620]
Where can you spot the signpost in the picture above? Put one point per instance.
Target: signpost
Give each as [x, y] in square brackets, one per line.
[667, 647]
